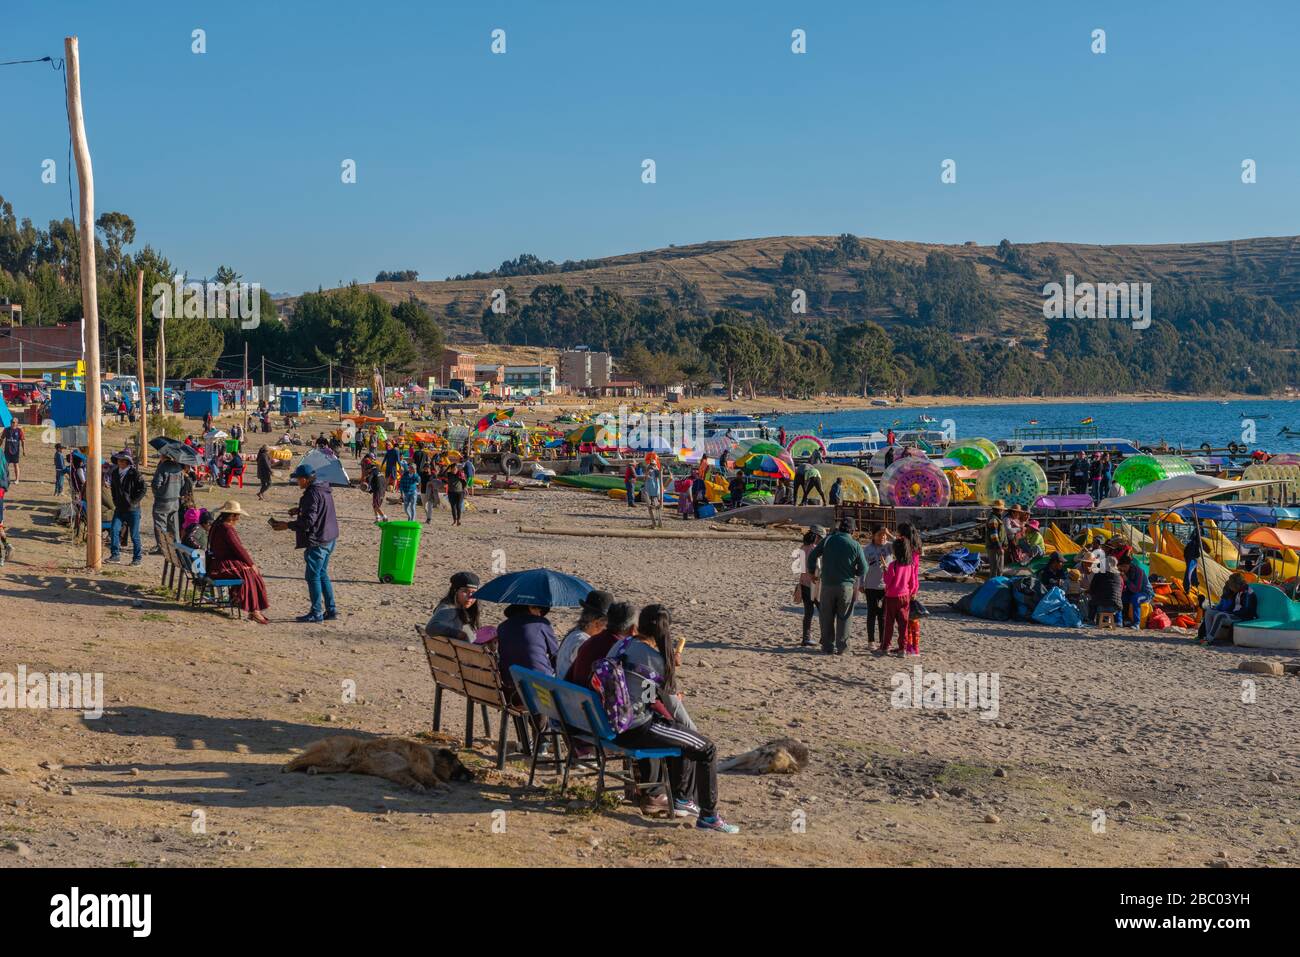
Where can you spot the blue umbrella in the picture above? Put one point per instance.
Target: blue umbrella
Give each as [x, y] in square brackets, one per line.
[536, 586]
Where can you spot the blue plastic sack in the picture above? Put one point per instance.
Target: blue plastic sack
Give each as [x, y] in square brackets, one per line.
[960, 561]
[1055, 609]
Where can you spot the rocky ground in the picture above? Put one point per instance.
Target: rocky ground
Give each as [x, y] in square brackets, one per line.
[1108, 748]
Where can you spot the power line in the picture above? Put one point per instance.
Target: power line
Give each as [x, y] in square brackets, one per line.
[57, 64]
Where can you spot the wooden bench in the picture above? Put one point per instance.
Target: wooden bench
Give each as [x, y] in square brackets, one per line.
[576, 714]
[472, 671]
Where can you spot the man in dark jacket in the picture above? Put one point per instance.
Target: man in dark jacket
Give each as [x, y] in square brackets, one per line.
[128, 490]
[316, 529]
[1079, 475]
[526, 638]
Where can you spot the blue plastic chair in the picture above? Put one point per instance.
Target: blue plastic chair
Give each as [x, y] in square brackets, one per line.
[576, 714]
[221, 589]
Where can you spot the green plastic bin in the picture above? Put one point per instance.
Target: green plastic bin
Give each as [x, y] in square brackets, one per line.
[399, 544]
[232, 446]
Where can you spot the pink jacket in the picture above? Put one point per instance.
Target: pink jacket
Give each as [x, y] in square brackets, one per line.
[902, 581]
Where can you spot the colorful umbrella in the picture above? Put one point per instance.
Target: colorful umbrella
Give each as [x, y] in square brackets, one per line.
[762, 447]
[494, 417]
[595, 434]
[768, 465]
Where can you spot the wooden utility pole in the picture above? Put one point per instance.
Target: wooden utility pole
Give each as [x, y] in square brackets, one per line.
[90, 310]
[139, 369]
[264, 396]
[243, 386]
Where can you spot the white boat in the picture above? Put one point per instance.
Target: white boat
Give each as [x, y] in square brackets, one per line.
[848, 449]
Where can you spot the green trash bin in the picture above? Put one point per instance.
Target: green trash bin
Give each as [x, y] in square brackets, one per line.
[232, 446]
[399, 544]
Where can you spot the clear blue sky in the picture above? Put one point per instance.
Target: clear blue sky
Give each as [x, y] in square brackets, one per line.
[466, 158]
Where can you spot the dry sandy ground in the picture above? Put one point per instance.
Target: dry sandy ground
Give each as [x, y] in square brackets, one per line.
[203, 710]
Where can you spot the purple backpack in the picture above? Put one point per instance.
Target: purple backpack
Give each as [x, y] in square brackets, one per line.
[610, 682]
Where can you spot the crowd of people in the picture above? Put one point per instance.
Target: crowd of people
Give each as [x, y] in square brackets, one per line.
[606, 633]
[836, 570]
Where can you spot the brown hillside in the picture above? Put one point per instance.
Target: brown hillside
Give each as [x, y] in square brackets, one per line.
[739, 273]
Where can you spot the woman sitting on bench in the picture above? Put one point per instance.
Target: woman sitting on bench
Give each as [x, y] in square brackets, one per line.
[649, 667]
[230, 559]
[457, 614]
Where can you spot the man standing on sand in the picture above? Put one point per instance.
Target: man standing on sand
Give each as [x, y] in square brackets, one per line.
[167, 483]
[317, 530]
[128, 490]
[653, 490]
[995, 538]
[842, 564]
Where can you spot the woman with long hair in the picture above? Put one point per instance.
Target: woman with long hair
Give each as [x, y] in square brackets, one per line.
[649, 661]
[228, 558]
[805, 590]
[457, 614]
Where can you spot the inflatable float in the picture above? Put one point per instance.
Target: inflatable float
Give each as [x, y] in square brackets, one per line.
[913, 482]
[1013, 479]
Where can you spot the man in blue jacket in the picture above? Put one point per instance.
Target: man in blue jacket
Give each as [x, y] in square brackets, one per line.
[316, 528]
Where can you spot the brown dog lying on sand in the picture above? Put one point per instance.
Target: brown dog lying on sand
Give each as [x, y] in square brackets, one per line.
[408, 763]
[782, 756]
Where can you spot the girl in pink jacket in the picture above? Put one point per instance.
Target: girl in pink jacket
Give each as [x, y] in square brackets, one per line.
[902, 580]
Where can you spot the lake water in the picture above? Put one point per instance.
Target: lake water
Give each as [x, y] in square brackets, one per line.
[1179, 423]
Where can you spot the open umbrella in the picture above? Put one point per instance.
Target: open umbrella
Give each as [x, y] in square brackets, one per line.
[492, 418]
[536, 586]
[181, 452]
[762, 447]
[593, 433]
[768, 465]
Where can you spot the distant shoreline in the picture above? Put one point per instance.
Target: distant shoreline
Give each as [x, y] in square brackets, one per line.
[833, 404]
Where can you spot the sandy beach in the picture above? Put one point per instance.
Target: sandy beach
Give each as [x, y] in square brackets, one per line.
[1108, 748]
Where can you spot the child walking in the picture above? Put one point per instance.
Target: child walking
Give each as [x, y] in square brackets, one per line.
[901, 583]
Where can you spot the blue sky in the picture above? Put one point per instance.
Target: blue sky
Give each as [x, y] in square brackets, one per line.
[465, 158]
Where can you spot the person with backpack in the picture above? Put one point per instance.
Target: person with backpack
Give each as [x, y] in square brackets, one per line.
[168, 481]
[15, 444]
[647, 663]
[128, 491]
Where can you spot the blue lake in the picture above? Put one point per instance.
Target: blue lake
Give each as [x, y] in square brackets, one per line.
[1179, 423]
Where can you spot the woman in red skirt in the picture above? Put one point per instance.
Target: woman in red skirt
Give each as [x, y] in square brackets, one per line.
[228, 558]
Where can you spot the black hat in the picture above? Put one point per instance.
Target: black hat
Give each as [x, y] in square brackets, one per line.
[597, 601]
[464, 580]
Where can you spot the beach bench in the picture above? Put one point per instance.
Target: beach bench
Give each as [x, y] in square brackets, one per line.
[472, 671]
[1277, 625]
[575, 713]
